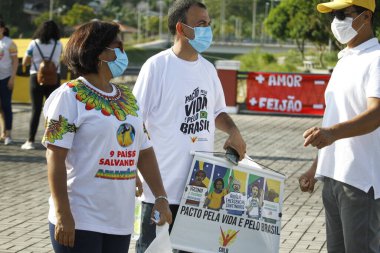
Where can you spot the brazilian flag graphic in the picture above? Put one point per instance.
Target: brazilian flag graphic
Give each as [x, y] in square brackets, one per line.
[203, 114]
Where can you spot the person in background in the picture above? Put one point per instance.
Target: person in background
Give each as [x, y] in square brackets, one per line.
[95, 140]
[348, 141]
[182, 102]
[8, 69]
[2, 119]
[45, 39]
[2, 125]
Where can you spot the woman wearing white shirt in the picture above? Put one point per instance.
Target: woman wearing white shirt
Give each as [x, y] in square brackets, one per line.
[8, 69]
[46, 41]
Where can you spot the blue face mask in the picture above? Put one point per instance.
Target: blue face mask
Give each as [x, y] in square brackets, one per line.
[202, 38]
[120, 64]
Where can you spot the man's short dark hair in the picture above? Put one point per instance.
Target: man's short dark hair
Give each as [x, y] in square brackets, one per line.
[87, 43]
[178, 11]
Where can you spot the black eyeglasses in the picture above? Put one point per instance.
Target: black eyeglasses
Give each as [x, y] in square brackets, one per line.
[341, 15]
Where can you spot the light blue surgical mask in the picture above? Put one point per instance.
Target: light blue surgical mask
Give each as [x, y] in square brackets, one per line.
[202, 38]
[120, 64]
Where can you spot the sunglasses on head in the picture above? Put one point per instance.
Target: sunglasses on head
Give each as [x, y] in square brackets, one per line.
[341, 15]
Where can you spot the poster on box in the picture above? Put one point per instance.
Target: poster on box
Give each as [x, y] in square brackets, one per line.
[229, 208]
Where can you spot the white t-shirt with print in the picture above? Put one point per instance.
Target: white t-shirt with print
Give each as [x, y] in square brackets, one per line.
[46, 50]
[7, 50]
[356, 77]
[179, 101]
[104, 134]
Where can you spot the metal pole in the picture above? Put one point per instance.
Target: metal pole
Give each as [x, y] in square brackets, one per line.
[51, 10]
[161, 3]
[141, 6]
[222, 17]
[237, 28]
[138, 25]
[262, 25]
[254, 12]
[147, 19]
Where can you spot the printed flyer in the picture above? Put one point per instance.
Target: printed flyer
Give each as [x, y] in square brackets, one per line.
[229, 208]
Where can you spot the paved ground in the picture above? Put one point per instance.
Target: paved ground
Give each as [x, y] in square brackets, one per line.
[272, 140]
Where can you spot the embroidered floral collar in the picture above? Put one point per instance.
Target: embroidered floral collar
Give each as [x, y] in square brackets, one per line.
[122, 104]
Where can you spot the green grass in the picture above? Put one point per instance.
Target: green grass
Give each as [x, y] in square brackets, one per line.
[291, 61]
[138, 56]
[256, 60]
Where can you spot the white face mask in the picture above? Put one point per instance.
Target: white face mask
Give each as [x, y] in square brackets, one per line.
[343, 31]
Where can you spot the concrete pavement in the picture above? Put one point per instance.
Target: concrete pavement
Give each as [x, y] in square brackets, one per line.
[275, 141]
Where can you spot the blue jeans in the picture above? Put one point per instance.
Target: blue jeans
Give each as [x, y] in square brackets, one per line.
[6, 102]
[94, 242]
[352, 218]
[148, 229]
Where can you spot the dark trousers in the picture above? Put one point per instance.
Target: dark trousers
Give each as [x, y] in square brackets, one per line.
[352, 218]
[6, 102]
[148, 229]
[92, 242]
[37, 94]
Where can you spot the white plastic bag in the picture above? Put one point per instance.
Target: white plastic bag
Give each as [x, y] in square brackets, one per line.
[161, 244]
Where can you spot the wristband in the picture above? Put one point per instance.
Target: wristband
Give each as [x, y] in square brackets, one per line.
[161, 197]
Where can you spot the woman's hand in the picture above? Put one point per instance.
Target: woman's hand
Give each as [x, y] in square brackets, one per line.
[65, 230]
[139, 187]
[11, 83]
[162, 206]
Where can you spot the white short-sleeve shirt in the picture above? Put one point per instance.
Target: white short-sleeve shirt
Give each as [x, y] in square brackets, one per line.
[7, 50]
[104, 134]
[179, 101]
[47, 50]
[355, 78]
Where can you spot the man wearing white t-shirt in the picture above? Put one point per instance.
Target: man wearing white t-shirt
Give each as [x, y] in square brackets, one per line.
[182, 101]
[349, 139]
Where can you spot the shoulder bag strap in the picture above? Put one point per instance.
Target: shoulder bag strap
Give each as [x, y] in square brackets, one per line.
[52, 52]
[39, 50]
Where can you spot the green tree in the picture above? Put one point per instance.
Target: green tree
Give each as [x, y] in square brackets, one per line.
[45, 17]
[11, 11]
[70, 3]
[241, 9]
[78, 14]
[320, 34]
[289, 20]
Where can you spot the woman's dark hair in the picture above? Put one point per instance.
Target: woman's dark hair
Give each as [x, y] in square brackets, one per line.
[178, 11]
[46, 31]
[218, 179]
[6, 31]
[87, 43]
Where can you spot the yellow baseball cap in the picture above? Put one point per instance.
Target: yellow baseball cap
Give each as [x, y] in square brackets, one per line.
[341, 4]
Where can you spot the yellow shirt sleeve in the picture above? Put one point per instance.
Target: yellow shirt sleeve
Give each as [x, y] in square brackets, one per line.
[13, 49]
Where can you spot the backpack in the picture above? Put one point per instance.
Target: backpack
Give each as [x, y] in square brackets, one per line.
[46, 71]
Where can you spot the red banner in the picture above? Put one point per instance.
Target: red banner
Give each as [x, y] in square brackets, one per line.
[287, 93]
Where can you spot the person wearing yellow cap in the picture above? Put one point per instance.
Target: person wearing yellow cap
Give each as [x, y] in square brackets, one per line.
[349, 139]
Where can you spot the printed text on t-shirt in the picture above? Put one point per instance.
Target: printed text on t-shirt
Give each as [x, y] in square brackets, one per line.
[196, 112]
